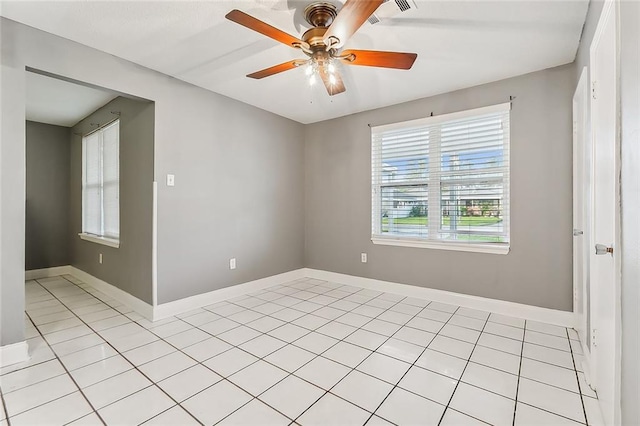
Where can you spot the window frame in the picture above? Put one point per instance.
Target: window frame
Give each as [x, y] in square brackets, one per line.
[109, 241]
[434, 184]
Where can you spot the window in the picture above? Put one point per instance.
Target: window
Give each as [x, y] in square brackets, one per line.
[443, 182]
[101, 185]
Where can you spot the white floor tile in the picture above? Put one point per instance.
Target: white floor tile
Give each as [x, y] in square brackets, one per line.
[496, 359]
[30, 375]
[331, 410]
[366, 339]
[265, 324]
[136, 408]
[149, 352]
[59, 411]
[37, 394]
[206, 349]
[90, 419]
[258, 377]
[362, 390]
[594, 414]
[166, 366]
[352, 319]
[381, 327]
[245, 316]
[187, 383]
[101, 370]
[548, 355]
[253, 413]
[239, 335]
[368, 311]
[132, 341]
[451, 346]
[310, 321]
[290, 358]
[504, 331]
[550, 398]
[378, 421]
[201, 318]
[467, 322]
[444, 307]
[323, 372]
[507, 320]
[428, 384]
[401, 350]
[230, 361]
[541, 327]
[527, 415]
[456, 418]
[384, 367]
[219, 326]
[404, 308]
[71, 346]
[263, 345]
[227, 397]
[434, 315]
[547, 340]
[111, 322]
[292, 396]
[395, 317]
[549, 374]
[460, 333]
[442, 363]
[426, 324]
[65, 324]
[87, 356]
[114, 388]
[187, 338]
[500, 343]
[315, 342]
[288, 332]
[405, 408]
[347, 354]
[336, 330]
[486, 406]
[490, 379]
[173, 416]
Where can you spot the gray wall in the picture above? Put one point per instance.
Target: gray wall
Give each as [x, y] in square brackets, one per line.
[537, 271]
[47, 225]
[239, 175]
[129, 266]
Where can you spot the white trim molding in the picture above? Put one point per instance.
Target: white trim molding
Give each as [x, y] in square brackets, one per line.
[140, 306]
[496, 248]
[105, 241]
[35, 274]
[518, 310]
[14, 353]
[176, 307]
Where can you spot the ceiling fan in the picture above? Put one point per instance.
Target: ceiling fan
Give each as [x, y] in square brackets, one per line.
[322, 43]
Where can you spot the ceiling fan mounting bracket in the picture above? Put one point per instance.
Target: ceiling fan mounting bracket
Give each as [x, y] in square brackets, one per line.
[320, 14]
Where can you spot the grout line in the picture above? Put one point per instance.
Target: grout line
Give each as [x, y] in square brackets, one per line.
[584, 409]
[515, 406]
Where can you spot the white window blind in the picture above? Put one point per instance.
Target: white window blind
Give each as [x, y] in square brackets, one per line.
[442, 180]
[101, 182]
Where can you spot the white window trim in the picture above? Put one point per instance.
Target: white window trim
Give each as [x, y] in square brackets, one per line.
[416, 242]
[111, 242]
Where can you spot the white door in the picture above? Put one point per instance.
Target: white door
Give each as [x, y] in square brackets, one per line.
[604, 262]
[581, 212]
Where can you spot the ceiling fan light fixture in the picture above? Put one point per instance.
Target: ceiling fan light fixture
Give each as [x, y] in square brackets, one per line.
[332, 79]
[312, 80]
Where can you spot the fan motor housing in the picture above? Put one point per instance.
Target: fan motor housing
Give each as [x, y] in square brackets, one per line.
[320, 14]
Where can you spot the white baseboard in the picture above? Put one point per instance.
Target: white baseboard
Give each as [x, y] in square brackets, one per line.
[14, 353]
[187, 304]
[164, 310]
[535, 313]
[139, 306]
[36, 274]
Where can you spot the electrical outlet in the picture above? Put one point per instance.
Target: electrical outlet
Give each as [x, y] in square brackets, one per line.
[232, 263]
[171, 180]
[363, 257]
[100, 258]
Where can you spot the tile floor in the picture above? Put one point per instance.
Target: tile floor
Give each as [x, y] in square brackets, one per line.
[307, 352]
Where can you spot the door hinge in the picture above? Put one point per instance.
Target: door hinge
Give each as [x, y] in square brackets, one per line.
[593, 89]
[594, 340]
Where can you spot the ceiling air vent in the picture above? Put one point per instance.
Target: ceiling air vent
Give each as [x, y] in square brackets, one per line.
[390, 8]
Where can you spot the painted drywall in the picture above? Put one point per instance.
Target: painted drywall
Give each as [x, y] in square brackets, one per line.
[127, 267]
[238, 170]
[47, 224]
[537, 271]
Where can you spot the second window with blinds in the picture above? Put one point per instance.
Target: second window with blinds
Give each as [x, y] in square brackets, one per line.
[443, 182]
[101, 185]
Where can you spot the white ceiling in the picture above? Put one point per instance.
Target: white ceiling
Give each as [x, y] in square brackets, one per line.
[459, 44]
[53, 101]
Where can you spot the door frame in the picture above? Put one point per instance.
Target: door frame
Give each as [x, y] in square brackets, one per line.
[582, 146]
[611, 411]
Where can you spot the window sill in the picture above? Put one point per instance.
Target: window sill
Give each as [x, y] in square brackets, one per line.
[494, 248]
[111, 242]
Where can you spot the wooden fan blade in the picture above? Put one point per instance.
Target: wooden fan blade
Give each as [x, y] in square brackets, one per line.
[349, 19]
[332, 88]
[376, 58]
[286, 66]
[255, 24]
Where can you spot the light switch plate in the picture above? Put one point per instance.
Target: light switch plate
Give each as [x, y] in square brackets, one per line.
[171, 180]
